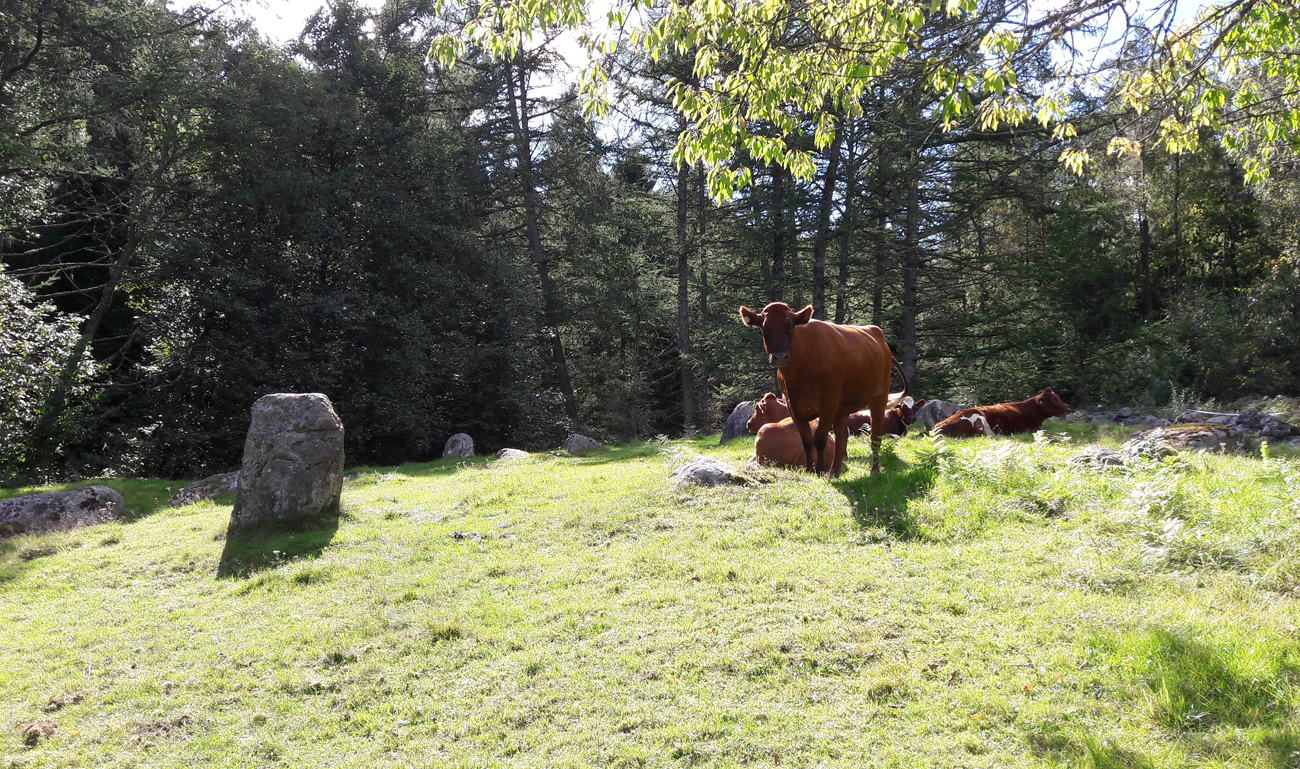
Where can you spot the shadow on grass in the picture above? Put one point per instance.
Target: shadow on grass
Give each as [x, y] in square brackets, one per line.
[1192, 687]
[1085, 750]
[248, 551]
[884, 500]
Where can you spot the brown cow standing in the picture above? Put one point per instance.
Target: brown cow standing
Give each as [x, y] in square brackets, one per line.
[1004, 418]
[829, 371]
[779, 444]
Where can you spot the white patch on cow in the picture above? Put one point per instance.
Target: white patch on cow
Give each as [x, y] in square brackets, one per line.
[979, 422]
[908, 401]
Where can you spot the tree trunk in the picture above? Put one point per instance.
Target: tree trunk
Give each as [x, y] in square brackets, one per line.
[45, 435]
[848, 226]
[778, 234]
[1178, 229]
[550, 306]
[824, 226]
[882, 268]
[683, 299]
[911, 272]
[701, 226]
[1145, 302]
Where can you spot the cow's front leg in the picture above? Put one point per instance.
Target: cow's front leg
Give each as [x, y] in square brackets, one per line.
[805, 435]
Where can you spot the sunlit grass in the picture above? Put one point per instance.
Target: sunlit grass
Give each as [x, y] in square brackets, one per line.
[981, 603]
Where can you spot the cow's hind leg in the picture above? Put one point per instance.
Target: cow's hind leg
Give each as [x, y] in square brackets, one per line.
[841, 445]
[819, 441]
[877, 429]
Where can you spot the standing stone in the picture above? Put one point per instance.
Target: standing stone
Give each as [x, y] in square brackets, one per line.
[53, 510]
[736, 423]
[293, 461]
[459, 445]
[578, 443]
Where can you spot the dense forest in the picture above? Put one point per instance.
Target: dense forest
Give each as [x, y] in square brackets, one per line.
[192, 217]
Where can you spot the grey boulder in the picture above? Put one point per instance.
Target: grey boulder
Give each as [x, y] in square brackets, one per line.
[222, 483]
[577, 444]
[1138, 449]
[1187, 437]
[293, 461]
[36, 513]
[506, 455]
[934, 412]
[459, 445]
[706, 471]
[737, 423]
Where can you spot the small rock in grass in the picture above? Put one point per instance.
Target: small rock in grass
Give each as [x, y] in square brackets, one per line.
[1097, 457]
[506, 455]
[707, 471]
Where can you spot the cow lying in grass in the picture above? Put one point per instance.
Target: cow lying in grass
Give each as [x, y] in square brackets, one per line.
[778, 445]
[772, 409]
[1027, 416]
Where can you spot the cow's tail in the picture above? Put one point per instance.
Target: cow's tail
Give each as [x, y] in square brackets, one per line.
[897, 398]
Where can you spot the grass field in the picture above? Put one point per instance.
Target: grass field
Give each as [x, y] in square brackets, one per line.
[981, 604]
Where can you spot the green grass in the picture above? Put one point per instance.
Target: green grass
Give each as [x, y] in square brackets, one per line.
[980, 604]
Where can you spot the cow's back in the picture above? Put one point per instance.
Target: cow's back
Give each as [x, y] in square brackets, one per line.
[829, 360]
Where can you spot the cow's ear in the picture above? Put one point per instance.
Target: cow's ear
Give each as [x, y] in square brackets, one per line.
[749, 317]
[1047, 391]
[919, 404]
[803, 316]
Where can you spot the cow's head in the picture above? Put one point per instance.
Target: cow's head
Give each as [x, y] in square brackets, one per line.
[777, 321]
[908, 408]
[1052, 403]
[770, 409]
